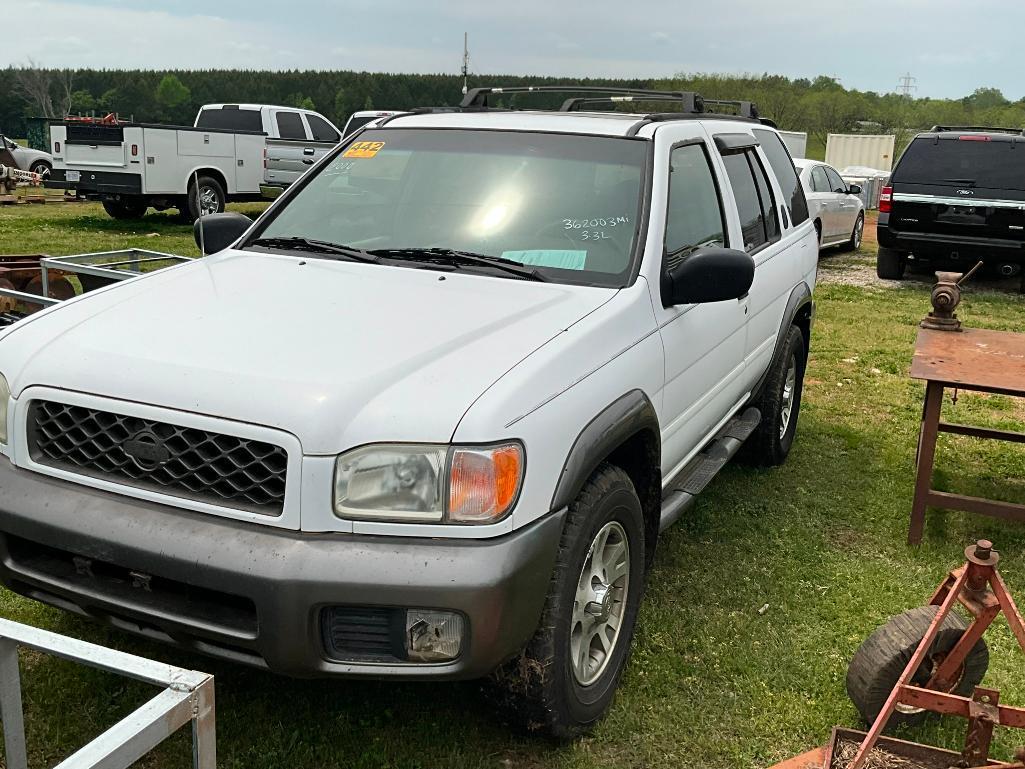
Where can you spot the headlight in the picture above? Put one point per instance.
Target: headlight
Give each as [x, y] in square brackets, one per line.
[428, 484]
[5, 396]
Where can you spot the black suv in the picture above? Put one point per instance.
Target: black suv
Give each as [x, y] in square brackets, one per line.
[956, 193]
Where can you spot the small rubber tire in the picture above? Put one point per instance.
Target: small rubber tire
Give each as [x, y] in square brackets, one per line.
[126, 208]
[879, 662]
[769, 445]
[538, 689]
[890, 264]
[204, 185]
[854, 243]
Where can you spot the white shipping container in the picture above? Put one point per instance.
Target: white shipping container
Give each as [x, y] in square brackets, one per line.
[875, 151]
[797, 143]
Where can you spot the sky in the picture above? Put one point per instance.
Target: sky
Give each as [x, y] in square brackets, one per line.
[952, 47]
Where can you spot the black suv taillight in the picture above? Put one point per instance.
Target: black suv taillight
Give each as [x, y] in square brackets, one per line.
[886, 200]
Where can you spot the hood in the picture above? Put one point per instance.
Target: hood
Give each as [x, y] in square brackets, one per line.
[336, 353]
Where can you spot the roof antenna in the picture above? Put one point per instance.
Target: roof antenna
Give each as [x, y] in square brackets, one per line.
[466, 61]
[199, 207]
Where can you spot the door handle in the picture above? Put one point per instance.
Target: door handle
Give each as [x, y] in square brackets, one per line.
[308, 151]
[307, 162]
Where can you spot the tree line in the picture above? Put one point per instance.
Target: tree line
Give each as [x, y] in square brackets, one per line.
[819, 106]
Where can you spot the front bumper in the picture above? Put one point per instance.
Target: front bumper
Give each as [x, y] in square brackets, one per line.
[255, 594]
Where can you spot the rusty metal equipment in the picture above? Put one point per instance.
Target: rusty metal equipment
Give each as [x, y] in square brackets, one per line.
[946, 296]
[980, 589]
[976, 360]
[21, 282]
[11, 178]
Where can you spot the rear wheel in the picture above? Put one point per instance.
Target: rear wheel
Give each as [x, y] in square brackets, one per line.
[890, 264]
[566, 678]
[780, 405]
[125, 208]
[206, 196]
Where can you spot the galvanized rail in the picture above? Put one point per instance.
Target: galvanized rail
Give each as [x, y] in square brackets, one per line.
[188, 696]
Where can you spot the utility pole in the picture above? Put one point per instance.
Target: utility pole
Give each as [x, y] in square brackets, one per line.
[466, 61]
[907, 85]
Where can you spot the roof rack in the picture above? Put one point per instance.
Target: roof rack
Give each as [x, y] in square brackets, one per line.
[477, 98]
[994, 129]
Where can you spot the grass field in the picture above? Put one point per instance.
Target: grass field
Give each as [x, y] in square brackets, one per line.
[712, 682]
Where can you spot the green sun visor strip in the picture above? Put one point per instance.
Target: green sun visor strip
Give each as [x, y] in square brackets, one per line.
[561, 259]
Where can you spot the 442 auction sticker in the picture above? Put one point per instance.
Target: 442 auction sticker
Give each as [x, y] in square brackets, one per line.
[363, 150]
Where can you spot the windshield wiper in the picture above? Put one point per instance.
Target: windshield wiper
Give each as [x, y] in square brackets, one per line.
[318, 247]
[455, 257]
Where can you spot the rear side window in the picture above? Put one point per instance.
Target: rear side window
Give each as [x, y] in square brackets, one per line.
[759, 220]
[819, 180]
[230, 119]
[694, 217]
[322, 130]
[783, 167]
[290, 125]
[995, 163]
[356, 123]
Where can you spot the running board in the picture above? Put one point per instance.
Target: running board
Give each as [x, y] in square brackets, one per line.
[683, 490]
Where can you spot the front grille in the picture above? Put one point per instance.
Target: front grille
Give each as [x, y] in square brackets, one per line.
[364, 634]
[156, 456]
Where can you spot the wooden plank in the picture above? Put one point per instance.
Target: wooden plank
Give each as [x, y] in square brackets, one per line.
[982, 432]
[1010, 511]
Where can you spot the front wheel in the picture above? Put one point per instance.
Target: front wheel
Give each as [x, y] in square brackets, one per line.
[41, 167]
[854, 243]
[566, 678]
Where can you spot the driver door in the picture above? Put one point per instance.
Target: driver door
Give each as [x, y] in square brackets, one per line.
[704, 343]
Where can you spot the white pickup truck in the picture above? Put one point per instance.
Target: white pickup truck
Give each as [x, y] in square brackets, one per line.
[234, 152]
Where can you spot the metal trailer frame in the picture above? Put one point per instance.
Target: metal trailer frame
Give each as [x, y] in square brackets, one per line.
[135, 257]
[188, 696]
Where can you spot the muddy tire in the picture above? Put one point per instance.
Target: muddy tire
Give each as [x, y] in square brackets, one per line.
[780, 405]
[565, 679]
[877, 665]
[890, 264]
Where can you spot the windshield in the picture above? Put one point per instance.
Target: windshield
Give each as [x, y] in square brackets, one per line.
[988, 163]
[566, 205]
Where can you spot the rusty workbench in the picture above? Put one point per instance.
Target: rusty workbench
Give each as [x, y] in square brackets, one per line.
[976, 360]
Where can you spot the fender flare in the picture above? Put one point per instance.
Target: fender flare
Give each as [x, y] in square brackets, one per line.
[622, 419]
[800, 298]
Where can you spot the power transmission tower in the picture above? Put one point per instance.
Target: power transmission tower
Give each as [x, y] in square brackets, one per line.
[466, 61]
[907, 85]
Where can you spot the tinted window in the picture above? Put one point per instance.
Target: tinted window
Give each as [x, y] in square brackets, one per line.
[819, 180]
[290, 125]
[322, 130]
[749, 205]
[835, 182]
[695, 212]
[783, 167]
[566, 205]
[997, 163]
[770, 214]
[231, 119]
[355, 123]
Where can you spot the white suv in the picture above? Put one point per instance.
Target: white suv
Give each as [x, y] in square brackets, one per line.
[426, 417]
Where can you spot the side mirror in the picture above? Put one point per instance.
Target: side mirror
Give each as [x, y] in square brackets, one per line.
[708, 275]
[219, 230]
[854, 189]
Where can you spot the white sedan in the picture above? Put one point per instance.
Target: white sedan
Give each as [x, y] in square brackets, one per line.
[834, 206]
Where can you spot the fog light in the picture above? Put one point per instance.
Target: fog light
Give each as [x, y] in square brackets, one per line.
[433, 636]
